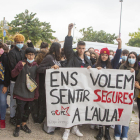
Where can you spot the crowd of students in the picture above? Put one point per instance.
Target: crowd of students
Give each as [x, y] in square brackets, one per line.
[22, 69]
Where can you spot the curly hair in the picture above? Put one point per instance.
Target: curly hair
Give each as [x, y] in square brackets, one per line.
[40, 56]
[19, 38]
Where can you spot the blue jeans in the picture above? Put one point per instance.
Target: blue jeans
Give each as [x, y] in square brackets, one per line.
[3, 103]
[121, 133]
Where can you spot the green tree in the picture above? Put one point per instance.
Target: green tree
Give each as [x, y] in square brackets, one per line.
[97, 36]
[27, 24]
[135, 39]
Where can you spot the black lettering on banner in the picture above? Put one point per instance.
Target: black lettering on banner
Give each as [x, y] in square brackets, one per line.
[71, 97]
[106, 80]
[100, 115]
[107, 120]
[128, 80]
[64, 79]
[114, 115]
[61, 96]
[85, 95]
[117, 80]
[51, 78]
[74, 79]
[94, 82]
[54, 96]
[76, 114]
[78, 94]
[95, 113]
[86, 114]
[109, 86]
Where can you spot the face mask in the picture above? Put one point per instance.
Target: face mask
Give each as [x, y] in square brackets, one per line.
[124, 58]
[131, 60]
[93, 60]
[1, 51]
[88, 57]
[30, 61]
[111, 57]
[20, 46]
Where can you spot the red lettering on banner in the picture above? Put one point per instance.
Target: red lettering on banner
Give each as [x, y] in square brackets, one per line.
[99, 97]
[104, 101]
[131, 98]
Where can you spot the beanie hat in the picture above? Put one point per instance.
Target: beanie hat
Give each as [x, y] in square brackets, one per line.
[19, 38]
[105, 51]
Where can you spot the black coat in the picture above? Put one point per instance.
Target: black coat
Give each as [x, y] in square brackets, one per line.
[73, 60]
[4, 61]
[14, 56]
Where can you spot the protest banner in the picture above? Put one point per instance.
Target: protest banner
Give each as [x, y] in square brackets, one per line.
[88, 96]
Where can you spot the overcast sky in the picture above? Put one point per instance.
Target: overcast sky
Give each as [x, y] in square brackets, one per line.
[100, 14]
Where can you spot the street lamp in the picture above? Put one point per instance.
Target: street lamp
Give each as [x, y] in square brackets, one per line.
[120, 19]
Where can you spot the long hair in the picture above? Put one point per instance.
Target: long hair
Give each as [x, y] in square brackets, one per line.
[136, 63]
[40, 56]
[55, 51]
[99, 62]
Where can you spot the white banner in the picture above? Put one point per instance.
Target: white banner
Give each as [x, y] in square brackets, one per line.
[81, 96]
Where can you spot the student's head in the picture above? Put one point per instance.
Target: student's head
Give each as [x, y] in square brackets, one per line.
[81, 47]
[87, 53]
[104, 58]
[125, 55]
[6, 49]
[1, 45]
[94, 57]
[30, 54]
[132, 60]
[19, 40]
[44, 45]
[55, 50]
[104, 54]
[91, 50]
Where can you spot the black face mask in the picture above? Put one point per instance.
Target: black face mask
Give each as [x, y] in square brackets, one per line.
[93, 60]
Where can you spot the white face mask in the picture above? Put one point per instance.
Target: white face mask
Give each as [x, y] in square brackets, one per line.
[111, 57]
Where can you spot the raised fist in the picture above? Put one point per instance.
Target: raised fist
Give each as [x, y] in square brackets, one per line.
[70, 26]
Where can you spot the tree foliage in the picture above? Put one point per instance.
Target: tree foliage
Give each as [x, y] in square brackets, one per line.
[27, 24]
[97, 36]
[135, 39]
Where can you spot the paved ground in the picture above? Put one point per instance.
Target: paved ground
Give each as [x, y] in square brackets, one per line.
[39, 134]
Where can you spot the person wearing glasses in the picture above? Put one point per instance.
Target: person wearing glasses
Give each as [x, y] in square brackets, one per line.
[15, 55]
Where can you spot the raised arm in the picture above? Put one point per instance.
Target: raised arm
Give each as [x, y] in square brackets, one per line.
[116, 59]
[68, 43]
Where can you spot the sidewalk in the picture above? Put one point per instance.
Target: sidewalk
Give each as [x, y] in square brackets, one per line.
[39, 134]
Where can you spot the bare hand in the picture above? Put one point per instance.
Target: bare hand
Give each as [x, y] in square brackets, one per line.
[132, 70]
[55, 67]
[23, 63]
[137, 84]
[4, 90]
[70, 26]
[119, 40]
[99, 68]
[28, 41]
[89, 67]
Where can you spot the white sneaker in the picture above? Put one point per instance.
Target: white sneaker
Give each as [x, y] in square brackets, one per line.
[124, 139]
[76, 131]
[138, 137]
[92, 126]
[66, 134]
[117, 138]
